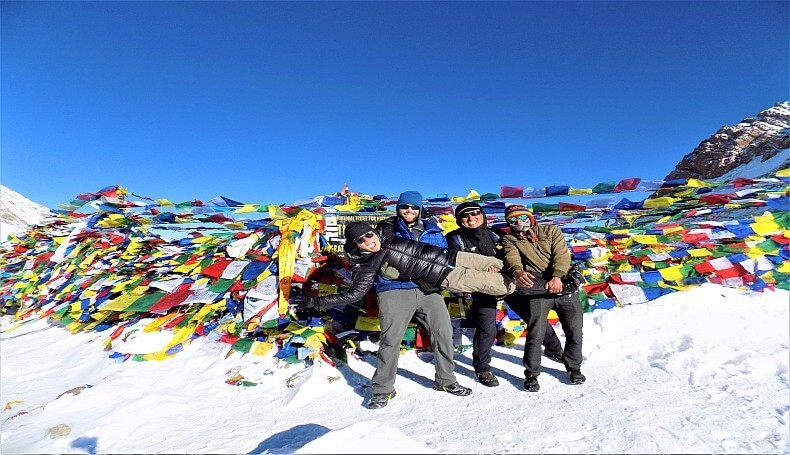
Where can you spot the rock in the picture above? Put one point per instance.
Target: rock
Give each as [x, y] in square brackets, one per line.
[763, 136]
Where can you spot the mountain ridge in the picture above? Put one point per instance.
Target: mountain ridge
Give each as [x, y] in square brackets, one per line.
[741, 149]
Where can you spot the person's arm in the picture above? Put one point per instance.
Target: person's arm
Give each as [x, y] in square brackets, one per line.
[560, 256]
[512, 260]
[510, 256]
[360, 285]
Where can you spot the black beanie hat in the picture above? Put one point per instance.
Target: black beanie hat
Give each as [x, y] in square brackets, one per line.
[355, 229]
[465, 207]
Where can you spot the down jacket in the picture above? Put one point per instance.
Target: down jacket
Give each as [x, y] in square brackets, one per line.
[432, 235]
[410, 260]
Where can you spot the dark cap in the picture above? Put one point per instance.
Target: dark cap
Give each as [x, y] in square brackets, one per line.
[466, 207]
[355, 229]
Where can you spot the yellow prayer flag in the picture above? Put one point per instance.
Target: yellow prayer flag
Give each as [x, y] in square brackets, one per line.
[276, 213]
[180, 336]
[247, 208]
[766, 227]
[767, 216]
[645, 239]
[120, 303]
[659, 202]
[673, 273]
[783, 172]
[161, 355]
[348, 208]
[261, 347]
[575, 191]
[699, 252]
[695, 183]
[368, 324]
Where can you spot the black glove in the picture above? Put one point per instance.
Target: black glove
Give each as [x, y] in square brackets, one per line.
[300, 302]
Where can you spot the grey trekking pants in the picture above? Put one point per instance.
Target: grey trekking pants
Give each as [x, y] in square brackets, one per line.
[471, 275]
[396, 308]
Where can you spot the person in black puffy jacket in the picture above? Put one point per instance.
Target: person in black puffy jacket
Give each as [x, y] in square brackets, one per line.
[402, 259]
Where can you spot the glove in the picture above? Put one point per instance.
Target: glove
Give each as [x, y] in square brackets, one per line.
[388, 273]
[301, 302]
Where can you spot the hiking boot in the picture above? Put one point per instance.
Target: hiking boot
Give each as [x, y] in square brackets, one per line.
[576, 377]
[454, 389]
[556, 356]
[531, 383]
[487, 378]
[379, 400]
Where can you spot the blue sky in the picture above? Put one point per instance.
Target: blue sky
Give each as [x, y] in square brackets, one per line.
[272, 102]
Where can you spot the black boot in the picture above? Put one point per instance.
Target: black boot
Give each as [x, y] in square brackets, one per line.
[576, 377]
[487, 378]
[531, 383]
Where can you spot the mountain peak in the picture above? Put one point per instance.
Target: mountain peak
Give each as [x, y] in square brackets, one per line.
[751, 148]
[17, 213]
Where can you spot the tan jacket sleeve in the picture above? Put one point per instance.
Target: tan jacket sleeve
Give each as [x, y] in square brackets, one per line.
[561, 257]
[511, 256]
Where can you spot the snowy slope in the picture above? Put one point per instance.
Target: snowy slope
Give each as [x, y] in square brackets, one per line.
[703, 371]
[17, 213]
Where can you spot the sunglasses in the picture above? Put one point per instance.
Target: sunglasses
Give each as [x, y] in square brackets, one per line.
[361, 239]
[469, 214]
[516, 219]
[416, 208]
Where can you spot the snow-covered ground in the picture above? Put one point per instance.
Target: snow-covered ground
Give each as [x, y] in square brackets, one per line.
[705, 371]
[17, 213]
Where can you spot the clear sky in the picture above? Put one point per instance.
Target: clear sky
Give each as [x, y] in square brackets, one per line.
[271, 102]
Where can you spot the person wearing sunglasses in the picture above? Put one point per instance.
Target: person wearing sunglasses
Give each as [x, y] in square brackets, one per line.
[537, 256]
[401, 301]
[475, 236]
[376, 252]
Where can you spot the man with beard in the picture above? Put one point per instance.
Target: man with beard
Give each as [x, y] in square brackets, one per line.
[475, 236]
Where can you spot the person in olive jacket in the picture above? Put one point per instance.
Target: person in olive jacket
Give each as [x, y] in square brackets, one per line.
[475, 236]
[538, 257]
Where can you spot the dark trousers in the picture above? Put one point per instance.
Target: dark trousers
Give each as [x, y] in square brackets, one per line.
[482, 314]
[534, 310]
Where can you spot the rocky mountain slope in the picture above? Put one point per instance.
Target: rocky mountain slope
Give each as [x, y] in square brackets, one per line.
[753, 147]
[17, 212]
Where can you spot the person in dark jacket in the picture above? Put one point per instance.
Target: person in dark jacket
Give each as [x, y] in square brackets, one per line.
[475, 236]
[373, 253]
[538, 254]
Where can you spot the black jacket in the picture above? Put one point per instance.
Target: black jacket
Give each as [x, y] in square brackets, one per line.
[412, 261]
[481, 240]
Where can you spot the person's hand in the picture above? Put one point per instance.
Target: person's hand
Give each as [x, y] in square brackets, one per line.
[388, 273]
[493, 269]
[300, 302]
[554, 285]
[525, 279]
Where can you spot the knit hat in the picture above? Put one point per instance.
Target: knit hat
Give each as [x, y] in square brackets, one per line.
[517, 210]
[410, 198]
[355, 229]
[514, 210]
[467, 207]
